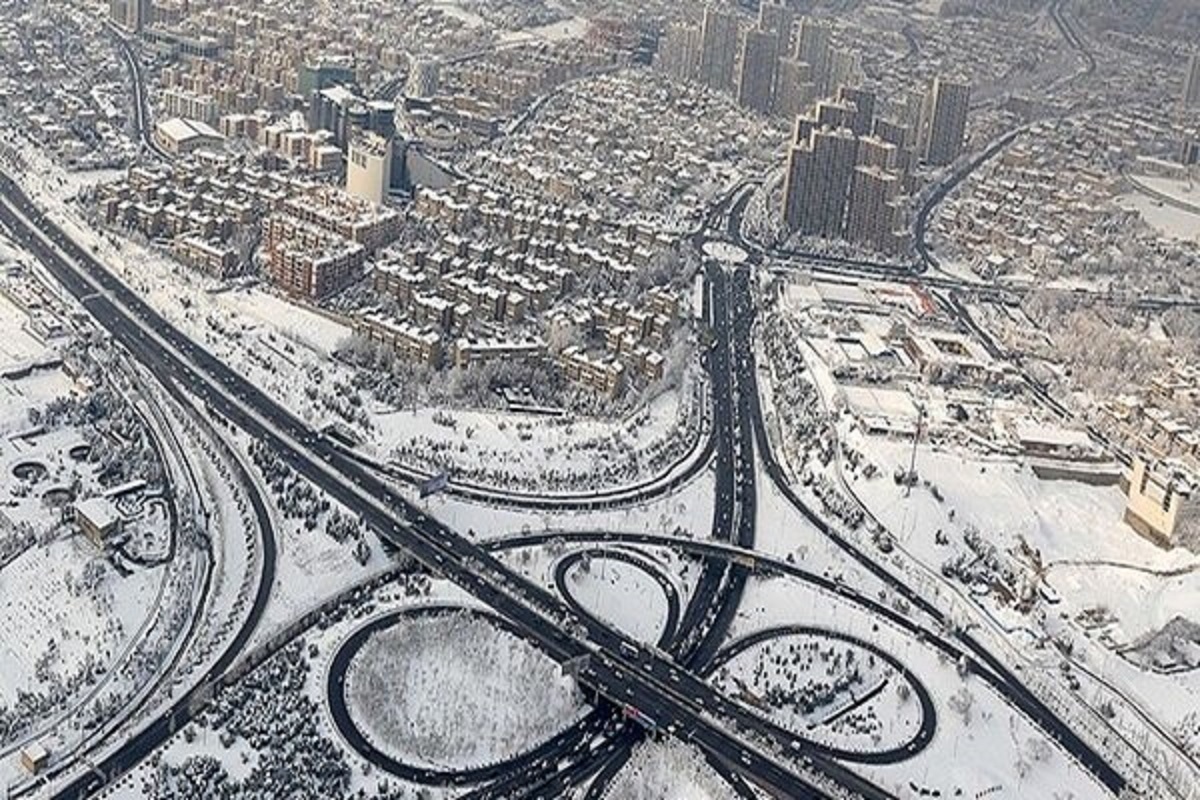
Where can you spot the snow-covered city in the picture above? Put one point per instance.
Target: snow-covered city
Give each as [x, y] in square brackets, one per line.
[600, 399]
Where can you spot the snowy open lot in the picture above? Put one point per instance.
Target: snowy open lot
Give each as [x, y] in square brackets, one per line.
[826, 690]
[420, 689]
[622, 594]
[1170, 221]
[60, 628]
[522, 452]
[84, 623]
[1048, 569]
[667, 771]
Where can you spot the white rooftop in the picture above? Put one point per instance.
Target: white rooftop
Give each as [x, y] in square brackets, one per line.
[99, 511]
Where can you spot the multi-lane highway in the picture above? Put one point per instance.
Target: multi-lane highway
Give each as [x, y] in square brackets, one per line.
[715, 602]
[616, 668]
[143, 743]
[1070, 33]
[666, 683]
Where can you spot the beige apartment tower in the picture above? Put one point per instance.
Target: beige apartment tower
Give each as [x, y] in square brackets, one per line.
[679, 54]
[794, 88]
[817, 183]
[778, 18]
[1163, 504]
[864, 108]
[369, 168]
[812, 47]
[872, 213]
[839, 185]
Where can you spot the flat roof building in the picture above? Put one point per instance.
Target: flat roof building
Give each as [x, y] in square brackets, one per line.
[817, 183]
[718, 49]
[34, 757]
[812, 48]
[756, 78]
[1191, 82]
[98, 518]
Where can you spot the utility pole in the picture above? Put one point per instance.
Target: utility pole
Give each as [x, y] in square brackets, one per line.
[911, 476]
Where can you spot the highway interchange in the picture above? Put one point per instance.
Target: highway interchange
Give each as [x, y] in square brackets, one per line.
[617, 668]
[666, 683]
[667, 686]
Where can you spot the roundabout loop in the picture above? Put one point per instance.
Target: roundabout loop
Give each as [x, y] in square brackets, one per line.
[343, 718]
[644, 565]
[891, 755]
[607, 545]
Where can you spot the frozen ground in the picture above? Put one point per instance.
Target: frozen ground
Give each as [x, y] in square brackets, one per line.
[516, 451]
[19, 346]
[465, 679]
[53, 628]
[420, 690]
[830, 691]
[1168, 220]
[981, 744]
[311, 566]
[1025, 561]
[668, 770]
[688, 512]
[564, 30]
[76, 633]
[1070, 537]
[1084, 550]
[623, 595]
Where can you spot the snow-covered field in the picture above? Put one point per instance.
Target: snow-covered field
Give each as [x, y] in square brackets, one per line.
[77, 633]
[460, 690]
[988, 540]
[573, 28]
[667, 770]
[825, 690]
[53, 626]
[1065, 520]
[689, 512]
[420, 690]
[995, 547]
[981, 743]
[18, 346]
[1168, 220]
[521, 452]
[622, 594]
[1085, 552]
